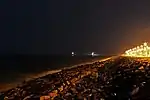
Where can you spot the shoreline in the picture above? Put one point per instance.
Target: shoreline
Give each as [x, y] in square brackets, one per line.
[7, 86]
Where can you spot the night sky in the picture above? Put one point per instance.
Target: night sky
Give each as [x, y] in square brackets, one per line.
[63, 26]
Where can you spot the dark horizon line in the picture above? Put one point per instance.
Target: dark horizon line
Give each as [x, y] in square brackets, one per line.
[53, 55]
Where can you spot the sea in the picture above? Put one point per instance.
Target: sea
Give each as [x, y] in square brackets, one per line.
[17, 68]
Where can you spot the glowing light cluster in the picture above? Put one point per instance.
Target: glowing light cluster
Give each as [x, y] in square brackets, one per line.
[139, 51]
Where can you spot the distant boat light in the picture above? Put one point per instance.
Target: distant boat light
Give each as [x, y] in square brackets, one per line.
[72, 53]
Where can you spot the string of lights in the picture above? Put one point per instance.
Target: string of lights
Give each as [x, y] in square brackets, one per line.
[139, 51]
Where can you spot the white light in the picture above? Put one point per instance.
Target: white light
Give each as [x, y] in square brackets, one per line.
[92, 53]
[72, 53]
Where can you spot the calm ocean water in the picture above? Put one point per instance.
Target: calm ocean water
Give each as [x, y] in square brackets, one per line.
[15, 67]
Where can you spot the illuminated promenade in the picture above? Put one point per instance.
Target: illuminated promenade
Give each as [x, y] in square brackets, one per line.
[139, 51]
